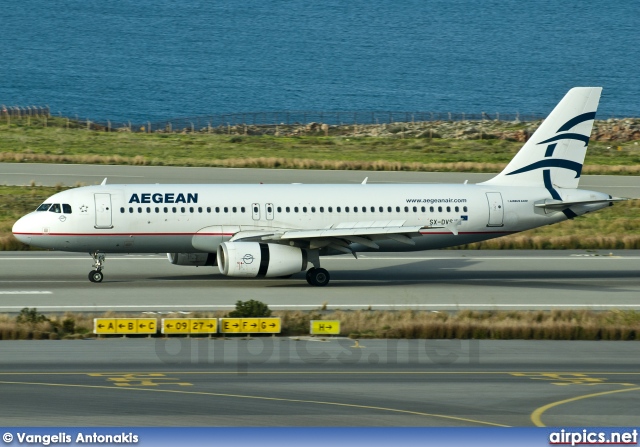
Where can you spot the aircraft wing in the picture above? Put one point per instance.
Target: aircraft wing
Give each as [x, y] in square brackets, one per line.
[339, 236]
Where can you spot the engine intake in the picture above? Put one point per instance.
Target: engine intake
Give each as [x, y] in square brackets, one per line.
[255, 259]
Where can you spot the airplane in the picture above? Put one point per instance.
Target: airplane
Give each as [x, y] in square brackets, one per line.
[278, 230]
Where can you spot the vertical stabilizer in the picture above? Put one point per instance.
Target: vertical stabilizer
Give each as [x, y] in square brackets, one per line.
[554, 155]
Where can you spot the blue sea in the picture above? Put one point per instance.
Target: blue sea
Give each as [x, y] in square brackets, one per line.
[150, 60]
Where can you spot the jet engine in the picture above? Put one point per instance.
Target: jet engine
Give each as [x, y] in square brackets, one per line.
[193, 259]
[251, 259]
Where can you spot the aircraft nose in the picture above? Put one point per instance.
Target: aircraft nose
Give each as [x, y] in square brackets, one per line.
[21, 229]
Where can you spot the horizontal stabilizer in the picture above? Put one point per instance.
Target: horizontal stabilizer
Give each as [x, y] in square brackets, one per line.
[558, 205]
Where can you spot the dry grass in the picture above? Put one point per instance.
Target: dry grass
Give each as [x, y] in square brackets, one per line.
[296, 163]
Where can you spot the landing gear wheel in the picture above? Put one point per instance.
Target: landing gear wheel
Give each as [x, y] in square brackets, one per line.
[95, 276]
[318, 277]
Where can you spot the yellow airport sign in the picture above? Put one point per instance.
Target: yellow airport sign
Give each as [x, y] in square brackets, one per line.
[325, 327]
[204, 325]
[230, 325]
[189, 325]
[270, 325]
[124, 326]
[104, 325]
[250, 325]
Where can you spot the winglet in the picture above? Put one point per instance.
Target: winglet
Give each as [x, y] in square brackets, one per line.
[104, 182]
[364, 182]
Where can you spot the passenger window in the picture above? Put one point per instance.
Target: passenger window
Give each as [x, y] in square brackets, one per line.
[66, 208]
[415, 209]
[397, 209]
[355, 209]
[148, 209]
[304, 209]
[322, 209]
[381, 209]
[217, 209]
[157, 210]
[234, 209]
[330, 209]
[174, 209]
[279, 209]
[338, 209]
[457, 209]
[208, 209]
[295, 208]
[389, 209]
[464, 208]
[448, 209]
[364, 209]
[439, 209]
[199, 209]
[423, 209]
[226, 209]
[313, 209]
[55, 208]
[346, 209]
[166, 210]
[122, 209]
[131, 209]
[287, 209]
[191, 209]
[243, 209]
[44, 207]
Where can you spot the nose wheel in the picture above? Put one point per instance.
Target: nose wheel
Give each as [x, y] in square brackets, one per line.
[95, 276]
[98, 264]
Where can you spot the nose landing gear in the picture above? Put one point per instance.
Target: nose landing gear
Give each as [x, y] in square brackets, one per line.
[98, 264]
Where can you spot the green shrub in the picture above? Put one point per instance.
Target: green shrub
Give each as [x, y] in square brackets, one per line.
[250, 309]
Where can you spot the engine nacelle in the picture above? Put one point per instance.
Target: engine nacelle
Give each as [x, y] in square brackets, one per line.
[251, 259]
[192, 259]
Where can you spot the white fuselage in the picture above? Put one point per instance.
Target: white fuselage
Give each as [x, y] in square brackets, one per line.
[198, 218]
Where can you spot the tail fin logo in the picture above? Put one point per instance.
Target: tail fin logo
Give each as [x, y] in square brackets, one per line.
[552, 143]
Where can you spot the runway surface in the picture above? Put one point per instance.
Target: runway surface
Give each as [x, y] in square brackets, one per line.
[72, 175]
[288, 382]
[432, 280]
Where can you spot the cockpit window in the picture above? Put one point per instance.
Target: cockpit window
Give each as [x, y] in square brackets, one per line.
[66, 208]
[55, 208]
[44, 207]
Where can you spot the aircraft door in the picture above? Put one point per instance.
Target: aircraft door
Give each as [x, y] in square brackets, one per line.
[103, 210]
[269, 208]
[255, 210]
[496, 209]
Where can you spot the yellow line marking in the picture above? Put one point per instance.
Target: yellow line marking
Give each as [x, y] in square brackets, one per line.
[317, 373]
[274, 399]
[536, 416]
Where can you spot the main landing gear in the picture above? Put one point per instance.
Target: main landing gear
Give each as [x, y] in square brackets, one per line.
[98, 264]
[318, 277]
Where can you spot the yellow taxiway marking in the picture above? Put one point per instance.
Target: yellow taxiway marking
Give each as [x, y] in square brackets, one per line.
[536, 416]
[427, 373]
[273, 399]
[563, 379]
